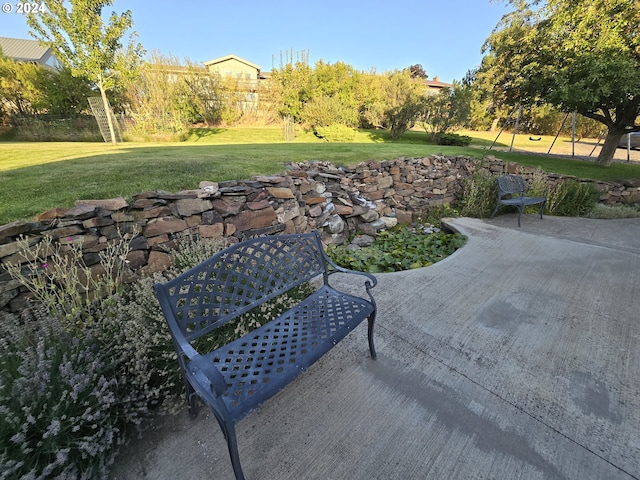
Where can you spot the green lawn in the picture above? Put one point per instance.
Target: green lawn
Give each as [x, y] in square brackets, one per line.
[35, 177]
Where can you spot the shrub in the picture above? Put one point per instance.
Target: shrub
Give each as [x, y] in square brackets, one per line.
[57, 129]
[480, 192]
[614, 211]
[434, 214]
[571, 198]
[57, 276]
[336, 133]
[453, 139]
[58, 399]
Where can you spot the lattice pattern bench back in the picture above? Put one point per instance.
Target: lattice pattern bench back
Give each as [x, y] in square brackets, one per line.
[509, 184]
[238, 279]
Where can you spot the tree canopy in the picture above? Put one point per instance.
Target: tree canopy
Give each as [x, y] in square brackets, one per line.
[85, 44]
[579, 55]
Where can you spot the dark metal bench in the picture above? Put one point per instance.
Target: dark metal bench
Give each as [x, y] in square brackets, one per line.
[511, 191]
[234, 379]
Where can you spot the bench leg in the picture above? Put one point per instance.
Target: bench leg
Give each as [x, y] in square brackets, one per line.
[542, 205]
[229, 432]
[372, 348]
[232, 444]
[192, 399]
[495, 210]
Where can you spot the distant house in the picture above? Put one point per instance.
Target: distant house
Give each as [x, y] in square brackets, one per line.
[235, 67]
[434, 86]
[247, 74]
[28, 51]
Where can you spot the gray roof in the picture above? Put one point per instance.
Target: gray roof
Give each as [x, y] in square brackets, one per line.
[24, 50]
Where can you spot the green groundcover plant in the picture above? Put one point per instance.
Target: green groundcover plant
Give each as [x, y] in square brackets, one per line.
[400, 248]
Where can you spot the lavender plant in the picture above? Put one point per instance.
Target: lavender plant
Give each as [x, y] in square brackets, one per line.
[73, 380]
[57, 401]
[57, 276]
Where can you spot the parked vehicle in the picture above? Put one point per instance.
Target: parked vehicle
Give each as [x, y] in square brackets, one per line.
[635, 140]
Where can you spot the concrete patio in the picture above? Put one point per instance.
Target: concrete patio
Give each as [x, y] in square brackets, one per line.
[515, 358]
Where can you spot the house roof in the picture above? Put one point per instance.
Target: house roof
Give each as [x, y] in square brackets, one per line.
[232, 57]
[22, 50]
[435, 83]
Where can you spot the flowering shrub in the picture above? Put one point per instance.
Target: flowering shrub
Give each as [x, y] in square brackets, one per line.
[58, 401]
[57, 276]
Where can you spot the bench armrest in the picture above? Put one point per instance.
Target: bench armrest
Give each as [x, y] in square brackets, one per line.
[369, 283]
[207, 375]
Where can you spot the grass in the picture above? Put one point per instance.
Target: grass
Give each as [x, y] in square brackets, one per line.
[35, 177]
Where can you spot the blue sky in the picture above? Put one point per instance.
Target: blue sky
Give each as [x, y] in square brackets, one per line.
[445, 37]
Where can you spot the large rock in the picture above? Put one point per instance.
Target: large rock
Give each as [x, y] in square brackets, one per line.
[389, 222]
[369, 216]
[363, 240]
[82, 211]
[158, 262]
[211, 217]
[14, 228]
[280, 192]
[252, 219]
[51, 214]
[164, 225]
[107, 204]
[335, 224]
[192, 206]
[227, 207]
[211, 231]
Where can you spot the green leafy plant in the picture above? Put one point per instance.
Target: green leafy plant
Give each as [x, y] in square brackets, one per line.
[571, 198]
[402, 248]
[614, 211]
[480, 192]
[434, 214]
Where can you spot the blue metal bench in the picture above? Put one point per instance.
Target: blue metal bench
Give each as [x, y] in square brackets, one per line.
[511, 191]
[234, 379]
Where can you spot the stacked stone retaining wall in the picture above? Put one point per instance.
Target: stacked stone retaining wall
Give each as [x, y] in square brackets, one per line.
[338, 201]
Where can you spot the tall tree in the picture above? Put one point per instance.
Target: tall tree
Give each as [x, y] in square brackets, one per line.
[417, 71]
[404, 101]
[293, 83]
[19, 87]
[445, 111]
[84, 43]
[579, 55]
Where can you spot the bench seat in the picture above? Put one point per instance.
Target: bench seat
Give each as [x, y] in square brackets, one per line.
[258, 365]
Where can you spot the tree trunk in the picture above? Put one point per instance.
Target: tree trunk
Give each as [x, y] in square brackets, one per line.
[609, 147]
[107, 111]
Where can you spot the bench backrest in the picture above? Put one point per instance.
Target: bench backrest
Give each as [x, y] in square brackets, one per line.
[238, 279]
[510, 184]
